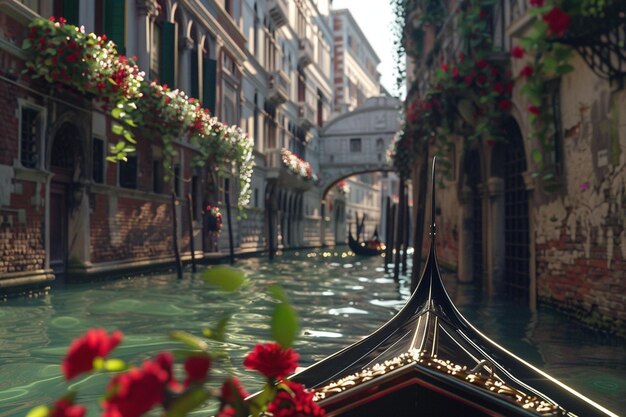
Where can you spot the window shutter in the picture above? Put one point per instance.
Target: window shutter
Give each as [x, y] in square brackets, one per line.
[194, 74]
[70, 9]
[168, 54]
[209, 81]
[114, 23]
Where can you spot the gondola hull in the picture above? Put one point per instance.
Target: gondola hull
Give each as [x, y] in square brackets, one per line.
[429, 360]
[360, 249]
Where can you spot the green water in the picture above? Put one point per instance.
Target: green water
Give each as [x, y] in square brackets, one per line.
[339, 300]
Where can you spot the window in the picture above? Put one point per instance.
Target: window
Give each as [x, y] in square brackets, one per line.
[256, 197]
[380, 144]
[97, 158]
[155, 53]
[255, 31]
[157, 176]
[355, 145]
[30, 137]
[128, 172]
[255, 128]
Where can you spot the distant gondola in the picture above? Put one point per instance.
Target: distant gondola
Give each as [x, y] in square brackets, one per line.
[362, 249]
[429, 360]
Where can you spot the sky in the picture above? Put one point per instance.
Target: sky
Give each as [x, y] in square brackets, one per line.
[375, 18]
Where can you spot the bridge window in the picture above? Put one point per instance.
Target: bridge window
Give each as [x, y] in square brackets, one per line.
[355, 145]
[380, 144]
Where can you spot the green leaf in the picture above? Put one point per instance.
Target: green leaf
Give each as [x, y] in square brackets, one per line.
[564, 69]
[39, 411]
[259, 402]
[187, 402]
[225, 277]
[190, 340]
[117, 113]
[278, 293]
[536, 155]
[117, 129]
[115, 365]
[219, 332]
[284, 324]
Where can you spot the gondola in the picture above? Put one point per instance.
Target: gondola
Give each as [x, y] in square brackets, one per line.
[428, 360]
[362, 249]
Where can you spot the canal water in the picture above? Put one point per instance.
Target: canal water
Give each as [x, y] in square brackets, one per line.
[339, 298]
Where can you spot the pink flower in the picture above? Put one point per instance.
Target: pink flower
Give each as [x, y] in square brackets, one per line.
[82, 352]
[518, 52]
[584, 186]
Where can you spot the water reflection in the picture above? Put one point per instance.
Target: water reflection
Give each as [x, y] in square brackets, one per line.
[339, 299]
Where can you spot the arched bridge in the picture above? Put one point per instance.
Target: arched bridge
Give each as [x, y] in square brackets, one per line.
[357, 142]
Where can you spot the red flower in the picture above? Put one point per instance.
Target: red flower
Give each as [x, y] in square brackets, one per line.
[504, 105]
[232, 388]
[197, 368]
[65, 408]
[444, 67]
[498, 88]
[517, 52]
[136, 392]
[82, 352]
[534, 110]
[455, 72]
[527, 71]
[536, 3]
[481, 79]
[227, 412]
[558, 21]
[482, 63]
[271, 360]
[298, 404]
[468, 80]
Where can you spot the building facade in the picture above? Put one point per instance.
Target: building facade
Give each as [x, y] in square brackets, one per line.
[540, 221]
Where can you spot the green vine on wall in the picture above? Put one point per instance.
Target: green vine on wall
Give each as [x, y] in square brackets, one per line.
[65, 56]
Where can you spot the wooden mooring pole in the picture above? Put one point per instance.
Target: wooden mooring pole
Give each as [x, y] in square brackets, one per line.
[399, 231]
[192, 245]
[179, 264]
[391, 235]
[388, 232]
[407, 221]
[230, 226]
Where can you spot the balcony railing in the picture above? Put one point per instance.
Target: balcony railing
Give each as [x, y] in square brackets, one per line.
[278, 91]
[305, 54]
[306, 115]
[278, 11]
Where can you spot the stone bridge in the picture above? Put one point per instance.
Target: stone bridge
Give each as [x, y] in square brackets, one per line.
[357, 142]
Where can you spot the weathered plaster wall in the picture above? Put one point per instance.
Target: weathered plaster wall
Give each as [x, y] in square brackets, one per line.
[580, 233]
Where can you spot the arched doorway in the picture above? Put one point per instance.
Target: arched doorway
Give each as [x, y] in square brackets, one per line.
[66, 162]
[516, 222]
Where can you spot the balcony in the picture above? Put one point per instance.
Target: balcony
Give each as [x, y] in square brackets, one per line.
[278, 91]
[278, 11]
[278, 173]
[306, 115]
[305, 54]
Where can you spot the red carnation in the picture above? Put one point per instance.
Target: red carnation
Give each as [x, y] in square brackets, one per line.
[468, 80]
[136, 392]
[232, 388]
[558, 21]
[504, 105]
[197, 368]
[517, 52]
[527, 71]
[482, 63]
[498, 88]
[271, 360]
[82, 352]
[536, 3]
[444, 67]
[455, 72]
[65, 408]
[534, 110]
[298, 404]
